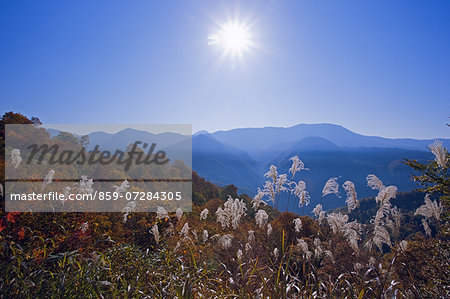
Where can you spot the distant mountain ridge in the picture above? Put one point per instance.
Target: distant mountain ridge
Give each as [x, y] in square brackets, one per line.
[223, 164]
[125, 137]
[327, 150]
[242, 156]
[257, 140]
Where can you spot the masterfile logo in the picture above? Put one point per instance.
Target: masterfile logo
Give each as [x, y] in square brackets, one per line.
[98, 169]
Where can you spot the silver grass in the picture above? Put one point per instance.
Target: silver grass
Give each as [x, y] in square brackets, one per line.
[261, 218]
[301, 193]
[257, 200]
[177, 246]
[185, 231]
[239, 254]
[269, 190]
[372, 261]
[84, 227]
[155, 233]
[430, 209]
[235, 209]
[179, 213]
[368, 245]
[269, 229]
[48, 179]
[388, 223]
[383, 212]
[403, 245]
[225, 241]
[232, 213]
[382, 220]
[205, 236]
[215, 237]
[276, 253]
[297, 224]
[222, 217]
[297, 165]
[322, 216]
[397, 216]
[308, 255]
[352, 197]
[66, 192]
[129, 208]
[272, 173]
[277, 184]
[122, 187]
[316, 211]
[318, 251]
[15, 157]
[194, 233]
[354, 225]
[329, 255]
[374, 182]
[381, 236]
[281, 183]
[161, 213]
[386, 194]
[331, 186]
[426, 227]
[302, 245]
[317, 242]
[319, 213]
[204, 214]
[85, 185]
[440, 153]
[351, 232]
[337, 222]
[251, 236]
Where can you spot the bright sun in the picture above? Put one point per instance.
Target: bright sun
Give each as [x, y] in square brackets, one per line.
[233, 38]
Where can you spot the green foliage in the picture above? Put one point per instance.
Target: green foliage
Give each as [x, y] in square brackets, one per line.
[435, 179]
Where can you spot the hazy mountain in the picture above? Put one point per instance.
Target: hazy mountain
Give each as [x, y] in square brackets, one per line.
[328, 151]
[53, 132]
[259, 141]
[180, 151]
[220, 163]
[123, 138]
[202, 132]
[310, 144]
[242, 156]
[223, 164]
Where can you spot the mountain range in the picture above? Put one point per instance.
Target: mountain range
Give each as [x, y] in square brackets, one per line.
[242, 156]
[261, 142]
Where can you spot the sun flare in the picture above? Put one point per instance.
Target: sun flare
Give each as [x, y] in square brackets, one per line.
[233, 38]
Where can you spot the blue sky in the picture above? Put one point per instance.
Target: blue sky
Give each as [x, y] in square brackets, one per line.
[376, 67]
